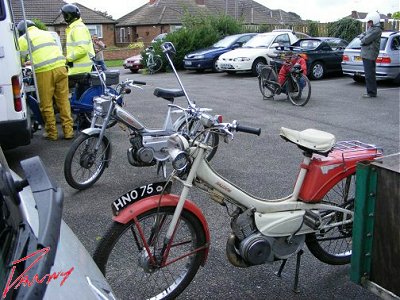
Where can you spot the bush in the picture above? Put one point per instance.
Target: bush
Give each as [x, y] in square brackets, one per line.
[313, 29]
[345, 28]
[39, 24]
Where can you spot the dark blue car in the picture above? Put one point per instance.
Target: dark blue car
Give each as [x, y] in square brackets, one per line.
[203, 59]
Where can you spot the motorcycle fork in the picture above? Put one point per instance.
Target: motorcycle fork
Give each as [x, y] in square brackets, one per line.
[104, 126]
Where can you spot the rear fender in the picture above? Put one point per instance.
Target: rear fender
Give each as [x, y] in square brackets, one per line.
[96, 131]
[149, 203]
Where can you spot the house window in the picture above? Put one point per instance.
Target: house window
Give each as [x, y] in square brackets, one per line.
[122, 35]
[96, 29]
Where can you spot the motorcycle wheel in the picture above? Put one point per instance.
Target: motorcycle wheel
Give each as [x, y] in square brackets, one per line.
[83, 166]
[195, 128]
[333, 246]
[124, 261]
[299, 90]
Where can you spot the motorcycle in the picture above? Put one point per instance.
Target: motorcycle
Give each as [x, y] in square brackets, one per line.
[84, 88]
[158, 240]
[90, 153]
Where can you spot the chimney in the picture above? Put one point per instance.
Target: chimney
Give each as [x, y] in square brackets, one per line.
[200, 2]
[151, 2]
[354, 14]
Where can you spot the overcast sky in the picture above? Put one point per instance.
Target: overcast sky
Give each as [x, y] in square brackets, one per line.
[317, 10]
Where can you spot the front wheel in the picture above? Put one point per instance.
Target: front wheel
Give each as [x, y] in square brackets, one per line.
[156, 65]
[333, 243]
[83, 164]
[267, 82]
[299, 90]
[317, 70]
[130, 255]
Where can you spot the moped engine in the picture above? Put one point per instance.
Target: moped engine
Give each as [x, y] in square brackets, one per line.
[246, 246]
[138, 155]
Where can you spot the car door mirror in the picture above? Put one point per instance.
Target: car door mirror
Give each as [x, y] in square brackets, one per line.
[236, 45]
[274, 45]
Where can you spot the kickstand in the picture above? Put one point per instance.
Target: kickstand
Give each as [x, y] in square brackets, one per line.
[296, 278]
[163, 167]
[279, 273]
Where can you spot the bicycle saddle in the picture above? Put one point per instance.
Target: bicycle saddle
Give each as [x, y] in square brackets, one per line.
[311, 139]
[168, 94]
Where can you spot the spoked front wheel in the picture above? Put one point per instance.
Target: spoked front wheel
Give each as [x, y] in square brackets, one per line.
[156, 65]
[267, 81]
[299, 90]
[124, 260]
[83, 164]
[333, 243]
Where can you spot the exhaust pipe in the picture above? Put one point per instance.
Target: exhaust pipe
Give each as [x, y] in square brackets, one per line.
[232, 255]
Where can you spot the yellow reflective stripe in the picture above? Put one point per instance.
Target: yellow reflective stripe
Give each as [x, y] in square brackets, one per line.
[82, 65]
[34, 48]
[50, 61]
[72, 44]
[24, 53]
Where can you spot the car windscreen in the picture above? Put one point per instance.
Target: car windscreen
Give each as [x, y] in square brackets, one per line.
[259, 41]
[225, 42]
[356, 43]
[309, 44]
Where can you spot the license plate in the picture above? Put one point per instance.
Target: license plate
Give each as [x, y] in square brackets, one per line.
[129, 65]
[188, 63]
[224, 66]
[357, 58]
[139, 193]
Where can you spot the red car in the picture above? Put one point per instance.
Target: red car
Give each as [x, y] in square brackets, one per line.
[133, 63]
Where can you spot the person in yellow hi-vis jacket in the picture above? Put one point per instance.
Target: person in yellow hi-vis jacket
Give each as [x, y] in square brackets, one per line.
[51, 77]
[79, 41]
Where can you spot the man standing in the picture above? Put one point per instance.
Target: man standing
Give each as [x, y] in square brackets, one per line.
[79, 41]
[51, 75]
[370, 44]
[99, 46]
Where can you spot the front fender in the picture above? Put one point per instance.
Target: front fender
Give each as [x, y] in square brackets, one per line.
[96, 131]
[146, 204]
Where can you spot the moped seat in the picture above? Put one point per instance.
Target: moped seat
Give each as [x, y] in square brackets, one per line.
[310, 139]
[168, 94]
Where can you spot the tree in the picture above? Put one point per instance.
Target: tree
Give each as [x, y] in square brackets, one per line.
[346, 28]
[396, 15]
[103, 13]
[39, 24]
[313, 28]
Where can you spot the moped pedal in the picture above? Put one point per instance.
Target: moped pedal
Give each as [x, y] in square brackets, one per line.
[162, 166]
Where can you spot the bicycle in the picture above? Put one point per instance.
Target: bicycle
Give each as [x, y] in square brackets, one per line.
[296, 85]
[153, 62]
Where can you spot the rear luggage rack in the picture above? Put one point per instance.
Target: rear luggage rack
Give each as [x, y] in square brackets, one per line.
[356, 148]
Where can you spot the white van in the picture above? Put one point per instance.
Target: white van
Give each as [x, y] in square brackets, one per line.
[15, 125]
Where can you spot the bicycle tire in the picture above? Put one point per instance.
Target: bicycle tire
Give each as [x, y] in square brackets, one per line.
[213, 141]
[125, 263]
[156, 65]
[82, 166]
[334, 246]
[266, 80]
[299, 95]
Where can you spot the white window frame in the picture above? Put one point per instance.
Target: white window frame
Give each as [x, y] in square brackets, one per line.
[96, 29]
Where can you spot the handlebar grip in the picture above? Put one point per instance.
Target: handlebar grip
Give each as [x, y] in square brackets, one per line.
[251, 130]
[139, 82]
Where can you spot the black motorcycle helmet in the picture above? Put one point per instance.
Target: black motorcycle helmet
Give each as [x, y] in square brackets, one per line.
[70, 13]
[21, 26]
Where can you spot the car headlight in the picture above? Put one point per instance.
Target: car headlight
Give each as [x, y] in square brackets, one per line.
[241, 59]
[198, 56]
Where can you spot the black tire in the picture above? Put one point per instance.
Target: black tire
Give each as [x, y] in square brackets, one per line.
[157, 64]
[83, 166]
[195, 128]
[317, 70]
[215, 68]
[123, 260]
[257, 65]
[231, 72]
[134, 70]
[299, 90]
[267, 82]
[333, 246]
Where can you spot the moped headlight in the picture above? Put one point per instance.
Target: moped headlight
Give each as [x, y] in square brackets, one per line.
[180, 160]
[177, 141]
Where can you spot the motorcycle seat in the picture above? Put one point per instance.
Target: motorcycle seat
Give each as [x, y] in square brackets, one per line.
[310, 139]
[168, 94]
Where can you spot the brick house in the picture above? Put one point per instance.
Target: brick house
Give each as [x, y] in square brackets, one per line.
[48, 11]
[159, 16]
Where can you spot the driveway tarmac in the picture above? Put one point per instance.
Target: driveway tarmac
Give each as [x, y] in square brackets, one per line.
[266, 166]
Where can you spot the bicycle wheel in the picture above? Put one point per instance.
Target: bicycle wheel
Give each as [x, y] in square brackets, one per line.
[156, 65]
[193, 128]
[299, 90]
[333, 244]
[266, 82]
[123, 259]
[83, 165]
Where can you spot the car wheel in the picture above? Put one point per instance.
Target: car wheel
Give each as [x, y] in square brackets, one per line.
[215, 68]
[134, 70]
[317, 70]
[357, 78]
[231, 72]
[200, 70]
[397, 79]
[256, 64]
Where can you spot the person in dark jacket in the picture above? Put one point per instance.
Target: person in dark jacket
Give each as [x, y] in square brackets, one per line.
[370, 44]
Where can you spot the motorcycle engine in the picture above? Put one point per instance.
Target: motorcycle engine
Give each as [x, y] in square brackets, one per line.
[138, 155]
[247, 246]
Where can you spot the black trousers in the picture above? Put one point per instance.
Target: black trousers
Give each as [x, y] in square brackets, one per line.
[370, 76]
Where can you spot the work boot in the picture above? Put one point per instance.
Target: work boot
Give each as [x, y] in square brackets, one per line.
[50, 137]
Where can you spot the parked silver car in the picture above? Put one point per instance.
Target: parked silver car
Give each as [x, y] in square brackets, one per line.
[36, 246]
[387, 63]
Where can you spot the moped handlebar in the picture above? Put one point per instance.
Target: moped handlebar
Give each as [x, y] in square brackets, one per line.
[247, 129]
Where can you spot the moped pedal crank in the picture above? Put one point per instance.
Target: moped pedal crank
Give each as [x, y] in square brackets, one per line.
[162, 166]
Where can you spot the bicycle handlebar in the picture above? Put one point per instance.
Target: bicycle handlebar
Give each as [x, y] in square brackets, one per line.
[247, 129]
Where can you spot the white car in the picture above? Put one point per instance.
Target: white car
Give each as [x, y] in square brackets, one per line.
[256, 51]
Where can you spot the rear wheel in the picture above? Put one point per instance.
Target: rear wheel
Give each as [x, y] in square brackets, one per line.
[333, 243]
[157, 64]
[299, 90]
[317, 70]
[267, 82]
[122, 256]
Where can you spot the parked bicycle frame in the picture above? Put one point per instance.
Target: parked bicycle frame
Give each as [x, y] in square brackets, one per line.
[296, 85]
[153, 61]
